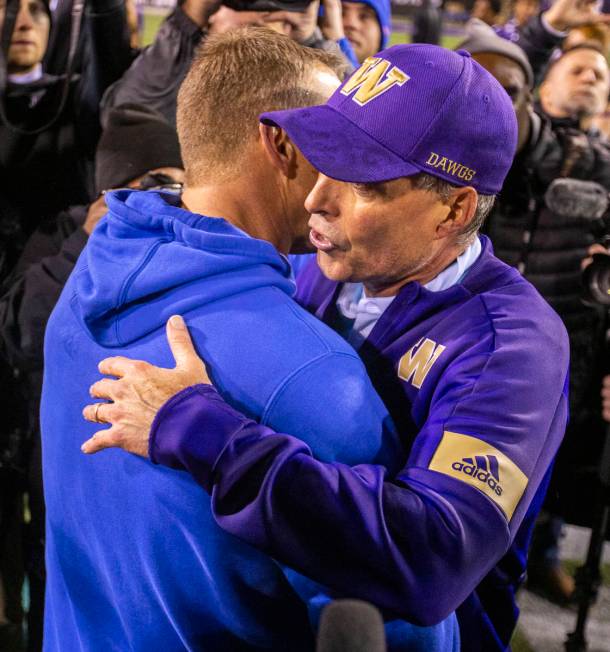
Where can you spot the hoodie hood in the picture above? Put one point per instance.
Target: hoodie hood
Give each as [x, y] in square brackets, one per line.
[384, 16]
[149, 259]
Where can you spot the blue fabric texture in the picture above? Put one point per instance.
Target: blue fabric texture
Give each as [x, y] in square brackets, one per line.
[135, 559]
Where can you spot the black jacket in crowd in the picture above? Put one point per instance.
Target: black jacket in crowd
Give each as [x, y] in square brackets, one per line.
[548, 249]
[44, 173]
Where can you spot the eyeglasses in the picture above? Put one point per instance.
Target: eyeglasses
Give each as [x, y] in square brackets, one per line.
[160, 181]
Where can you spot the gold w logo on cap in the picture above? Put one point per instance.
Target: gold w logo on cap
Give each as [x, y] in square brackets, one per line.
[372, 79]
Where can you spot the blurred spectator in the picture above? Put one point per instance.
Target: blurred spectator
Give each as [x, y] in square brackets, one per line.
[138, 148]
[427, 22]
[522, 12]
[576, 85]
[544, 33]
[56, 57]
[47, 146]
[361, 29]
[491, 12]
[367, 26]
[548, 246]
[49, 125]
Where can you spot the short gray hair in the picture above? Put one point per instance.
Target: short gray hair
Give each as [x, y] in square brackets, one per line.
[444, 189]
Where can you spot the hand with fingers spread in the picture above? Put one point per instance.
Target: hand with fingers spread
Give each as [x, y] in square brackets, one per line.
[332, 24]
[298, 25]
[139, 392]
[564, 15]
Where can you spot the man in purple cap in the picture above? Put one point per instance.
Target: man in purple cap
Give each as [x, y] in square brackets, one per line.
[469, 359]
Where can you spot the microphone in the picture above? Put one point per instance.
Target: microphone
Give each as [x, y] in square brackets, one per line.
[351, 626]
[569, 197]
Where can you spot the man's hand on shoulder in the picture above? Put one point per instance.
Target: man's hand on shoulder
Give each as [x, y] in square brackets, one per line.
[139, 392]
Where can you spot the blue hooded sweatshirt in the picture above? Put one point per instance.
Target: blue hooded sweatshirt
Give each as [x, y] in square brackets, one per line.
[135, 560]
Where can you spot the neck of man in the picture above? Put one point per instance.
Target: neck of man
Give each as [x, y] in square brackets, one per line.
[252, 203]
[446, 254]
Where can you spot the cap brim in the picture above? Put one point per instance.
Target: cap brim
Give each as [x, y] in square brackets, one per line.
[338, 148]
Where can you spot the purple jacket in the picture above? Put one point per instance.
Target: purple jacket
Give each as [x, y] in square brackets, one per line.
[475, 379]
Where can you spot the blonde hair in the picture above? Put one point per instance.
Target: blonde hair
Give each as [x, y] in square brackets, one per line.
[234, 78]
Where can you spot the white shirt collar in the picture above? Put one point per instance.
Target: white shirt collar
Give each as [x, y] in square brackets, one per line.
[27, 77]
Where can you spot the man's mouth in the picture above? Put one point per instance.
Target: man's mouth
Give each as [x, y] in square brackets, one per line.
[320, 241]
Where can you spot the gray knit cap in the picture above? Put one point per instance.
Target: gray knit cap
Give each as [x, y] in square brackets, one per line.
[480, 38]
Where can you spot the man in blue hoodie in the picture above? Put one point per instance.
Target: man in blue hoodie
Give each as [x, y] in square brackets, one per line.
[135, 559]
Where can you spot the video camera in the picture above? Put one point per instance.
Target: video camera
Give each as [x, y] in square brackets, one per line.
[587, 200]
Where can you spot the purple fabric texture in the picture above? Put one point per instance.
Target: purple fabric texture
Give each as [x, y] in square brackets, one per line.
[409, 109]
[179, 416]
[424, 542]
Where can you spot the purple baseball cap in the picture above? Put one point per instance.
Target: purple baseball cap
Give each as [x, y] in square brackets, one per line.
[410, 109]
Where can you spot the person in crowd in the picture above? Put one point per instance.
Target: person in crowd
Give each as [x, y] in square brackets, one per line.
[48, 131]
[47, 144]
[365, 25]
[522, 11]
[157, 549]
[574, 90]
[491, 12]
[155, 76]
[450, 336]
[137, 147]
[428, 22]
[548, 248]
[544, 34]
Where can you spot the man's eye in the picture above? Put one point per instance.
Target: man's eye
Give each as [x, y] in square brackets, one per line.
[37, 8]
[369, 189]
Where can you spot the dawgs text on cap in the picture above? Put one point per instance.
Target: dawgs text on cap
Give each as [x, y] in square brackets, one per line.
[410, 109]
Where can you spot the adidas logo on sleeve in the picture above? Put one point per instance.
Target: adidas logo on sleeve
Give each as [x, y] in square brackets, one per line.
[483, 467]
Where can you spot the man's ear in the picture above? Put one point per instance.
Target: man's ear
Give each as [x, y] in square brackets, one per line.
[279, 148]
[462, 205]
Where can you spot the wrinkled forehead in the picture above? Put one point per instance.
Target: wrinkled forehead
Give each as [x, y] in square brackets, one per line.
[580, 57]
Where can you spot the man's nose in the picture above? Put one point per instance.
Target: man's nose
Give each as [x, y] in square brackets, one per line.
[323, 198]
[350, 22]
[24, 19]
[588, 75]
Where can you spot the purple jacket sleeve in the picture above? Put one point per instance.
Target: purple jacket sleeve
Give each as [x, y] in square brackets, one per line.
[416, 544]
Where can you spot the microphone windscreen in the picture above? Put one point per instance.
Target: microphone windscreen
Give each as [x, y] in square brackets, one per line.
[351, 626]
[576, 198]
